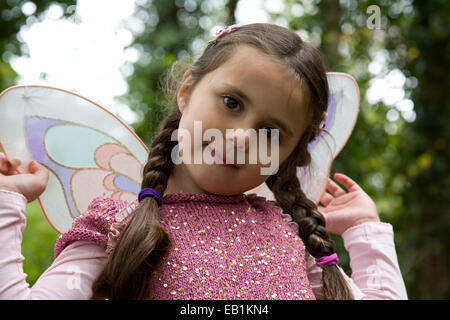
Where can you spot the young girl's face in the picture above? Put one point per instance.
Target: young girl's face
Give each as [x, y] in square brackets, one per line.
[248, 91]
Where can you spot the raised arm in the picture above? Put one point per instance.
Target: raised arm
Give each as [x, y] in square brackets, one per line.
[69, 277]
[370, 243]
[74, 269]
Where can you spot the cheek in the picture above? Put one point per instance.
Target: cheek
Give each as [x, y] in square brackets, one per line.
[203, 111]
[254, 174]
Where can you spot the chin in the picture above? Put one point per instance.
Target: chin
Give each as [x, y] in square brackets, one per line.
[222, 181]
[216, 184]
[215, 187]
[226, 188]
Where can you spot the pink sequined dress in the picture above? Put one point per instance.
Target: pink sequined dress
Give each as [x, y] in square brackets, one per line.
[223, 247]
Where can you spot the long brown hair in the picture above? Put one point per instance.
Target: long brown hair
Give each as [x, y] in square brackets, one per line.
[144, 242]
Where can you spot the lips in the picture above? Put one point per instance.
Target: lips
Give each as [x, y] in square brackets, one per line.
[219, 155]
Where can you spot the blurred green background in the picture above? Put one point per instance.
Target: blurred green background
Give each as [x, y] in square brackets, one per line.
[399, 149]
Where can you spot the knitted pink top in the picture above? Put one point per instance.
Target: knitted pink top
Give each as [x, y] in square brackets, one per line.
[223, 247]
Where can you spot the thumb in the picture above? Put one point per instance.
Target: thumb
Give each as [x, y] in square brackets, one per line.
[38, 170]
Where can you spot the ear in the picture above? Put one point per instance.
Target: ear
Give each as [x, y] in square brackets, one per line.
[185, 90]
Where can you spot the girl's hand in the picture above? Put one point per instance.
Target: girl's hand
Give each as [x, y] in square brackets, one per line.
[343, 210]
[31, 184]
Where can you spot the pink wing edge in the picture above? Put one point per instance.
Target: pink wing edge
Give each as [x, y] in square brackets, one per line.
[79, 96]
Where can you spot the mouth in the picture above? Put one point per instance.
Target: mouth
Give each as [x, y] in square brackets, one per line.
[218, 155]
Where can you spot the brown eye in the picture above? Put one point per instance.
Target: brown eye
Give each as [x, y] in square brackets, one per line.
[231, 103]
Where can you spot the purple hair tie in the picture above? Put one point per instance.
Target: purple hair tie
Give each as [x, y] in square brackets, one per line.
[328, 260]
[150, 192]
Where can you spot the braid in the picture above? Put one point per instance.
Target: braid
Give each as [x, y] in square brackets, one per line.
[157, 170]
[289, 196]
[144, 241]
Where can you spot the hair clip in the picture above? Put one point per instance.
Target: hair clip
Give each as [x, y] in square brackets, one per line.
[226, 31]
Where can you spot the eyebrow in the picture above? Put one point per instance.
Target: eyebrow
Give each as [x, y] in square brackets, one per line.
[243, 96]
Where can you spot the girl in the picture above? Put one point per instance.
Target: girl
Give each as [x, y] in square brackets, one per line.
[193, 233]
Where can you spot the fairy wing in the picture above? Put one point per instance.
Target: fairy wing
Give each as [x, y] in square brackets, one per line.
[343, 108]
[88, 150]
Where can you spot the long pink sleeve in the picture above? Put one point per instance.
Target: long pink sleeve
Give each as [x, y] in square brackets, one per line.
[69, 277]
[373, 260]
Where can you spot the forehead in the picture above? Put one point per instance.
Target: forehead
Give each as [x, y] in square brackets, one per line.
[269, 84]
[248, 63]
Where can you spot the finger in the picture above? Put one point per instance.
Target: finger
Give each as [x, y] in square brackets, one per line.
[3, 162]
[38, 170]
[15, 162]
[3, 166]
[335, 189]
[326, 199]
[6, 167]
[347, 182]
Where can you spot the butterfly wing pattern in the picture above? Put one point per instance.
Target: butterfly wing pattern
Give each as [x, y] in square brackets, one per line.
[88, 151]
